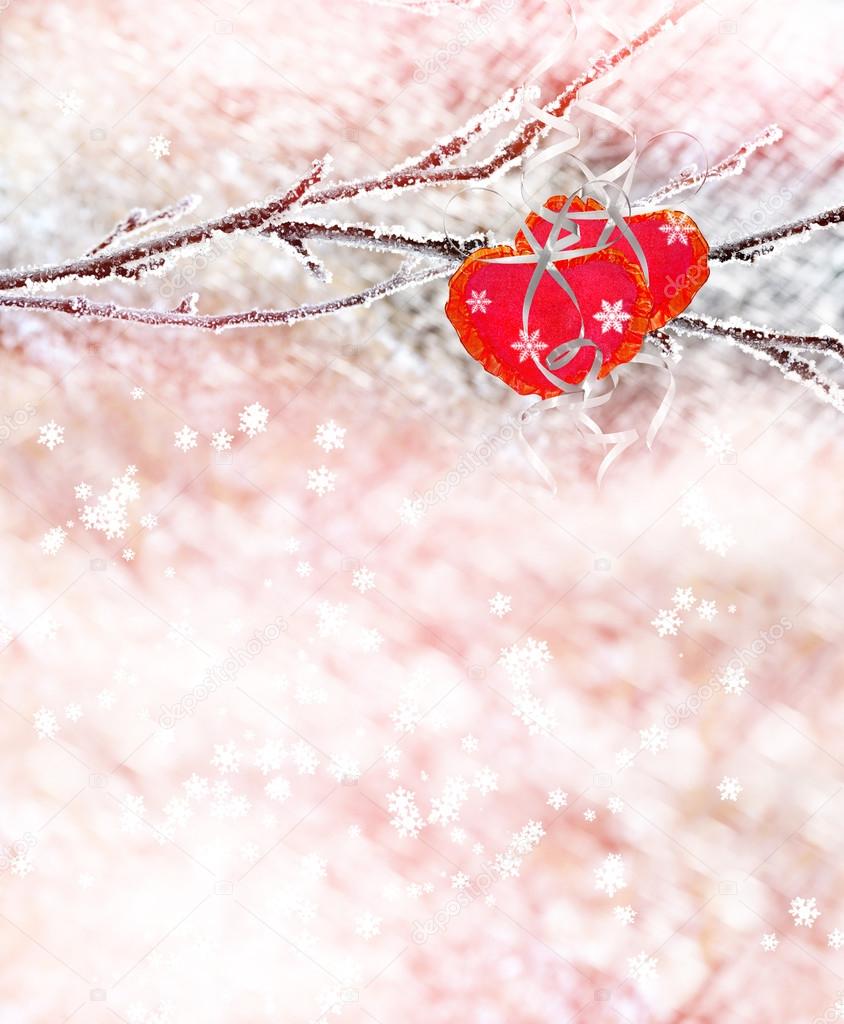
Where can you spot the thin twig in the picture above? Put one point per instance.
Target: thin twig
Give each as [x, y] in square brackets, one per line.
[80, 306]
[764, 242]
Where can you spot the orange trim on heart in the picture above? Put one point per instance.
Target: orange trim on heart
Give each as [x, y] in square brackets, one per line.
[457, 311]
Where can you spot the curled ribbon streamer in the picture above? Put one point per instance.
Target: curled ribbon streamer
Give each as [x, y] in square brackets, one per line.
[563, 244]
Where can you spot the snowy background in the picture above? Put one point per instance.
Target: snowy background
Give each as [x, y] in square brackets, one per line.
[270, 750]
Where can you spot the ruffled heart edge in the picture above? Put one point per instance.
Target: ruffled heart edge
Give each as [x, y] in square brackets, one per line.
[661, 313]
[457, 311]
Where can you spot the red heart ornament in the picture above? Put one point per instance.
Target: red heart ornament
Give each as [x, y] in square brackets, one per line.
[485, 306]
[674, 247]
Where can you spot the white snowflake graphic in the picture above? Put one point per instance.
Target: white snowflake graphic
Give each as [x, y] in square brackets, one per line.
[363, 580]
[109, 515]
[51, 435]
[253, 419]
[70, 103]
[626, 915]
[667, 622]
[609, 877]
[642, 967]
[804, 912]
[733, 679]
[52, 541]
[729, 788]
[677, 229]
[137, 394]
[769, 942]
[330, 436]
[707, 610]
[411, 511]
[499, 604]
[684, 599]
[159, 146]
[478, 302]
[528, 346]
[835, 939]
[185, 438]
[612, 316]
[221, 440]
[46, 724]
[322, 481]
[653, 739]
[557, 799]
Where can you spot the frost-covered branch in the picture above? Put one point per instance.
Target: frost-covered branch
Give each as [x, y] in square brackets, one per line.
[731, 165]
[752, 247]
[183, 315]
[764, 344]
[139, 219]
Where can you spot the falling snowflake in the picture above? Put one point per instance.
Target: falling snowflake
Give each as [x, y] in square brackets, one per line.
[667, 622]
[499, 604]
[528, 346]
[683, 599]
[769, 942]
[609, 877]
[479, 302]
[642, 967]
[226, 758]
[128, 554]
[321, 481]
[615, 805]
[253, 419]
[406, 819]
[330, 436]
[51, 435]
[470, 744]
[73, 712]
[221, 440]
[136, 394]
[835, 939]
[677, 229]
[589, 815]
[612, 317]
[729, 788]
[304, 569]
[368, 926]
[720, 445]
[52, 541]
[159, 146]
[149, 521]
[363, 580]
[46, 725]
[411, 511]
[707, 610]
[83, 491]
[109, 515]
[557, 799]
[185, 438]
[733, 679]
[626, 915]
[653, 739]
[70, 103]
[804, 912]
